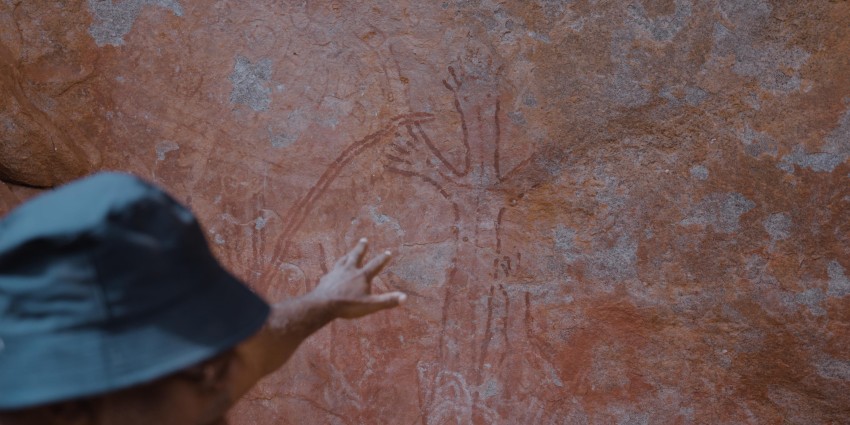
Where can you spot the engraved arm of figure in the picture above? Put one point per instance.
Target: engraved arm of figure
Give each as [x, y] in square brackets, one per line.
[414, 155]
[345, 292]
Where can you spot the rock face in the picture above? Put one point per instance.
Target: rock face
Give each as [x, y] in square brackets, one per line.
[604, 212]
[48, 116]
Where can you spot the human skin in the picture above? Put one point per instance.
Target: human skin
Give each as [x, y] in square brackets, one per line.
[202, 395]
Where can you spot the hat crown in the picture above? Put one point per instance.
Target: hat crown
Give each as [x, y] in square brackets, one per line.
[94, 252]
[105, 283]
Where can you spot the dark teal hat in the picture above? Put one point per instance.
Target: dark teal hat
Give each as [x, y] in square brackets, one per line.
[106, 283]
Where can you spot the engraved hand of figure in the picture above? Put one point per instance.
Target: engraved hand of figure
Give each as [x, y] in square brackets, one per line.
[405, 149]
[348, 286]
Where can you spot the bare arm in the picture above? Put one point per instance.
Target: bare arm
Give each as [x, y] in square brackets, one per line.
[345, 292]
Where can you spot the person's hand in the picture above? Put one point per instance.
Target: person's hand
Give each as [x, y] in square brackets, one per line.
[348, 287]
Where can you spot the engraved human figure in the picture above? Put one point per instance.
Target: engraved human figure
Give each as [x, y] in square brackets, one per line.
[474, 187]
[474, 346]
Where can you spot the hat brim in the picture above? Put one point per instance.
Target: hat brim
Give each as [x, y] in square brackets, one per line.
[81, 363]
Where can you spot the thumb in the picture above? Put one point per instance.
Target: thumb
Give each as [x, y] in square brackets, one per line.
[370, 304]
[386, 300]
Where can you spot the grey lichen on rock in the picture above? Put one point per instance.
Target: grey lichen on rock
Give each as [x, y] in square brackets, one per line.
[249, 83]
[721, 211]
[114, 19]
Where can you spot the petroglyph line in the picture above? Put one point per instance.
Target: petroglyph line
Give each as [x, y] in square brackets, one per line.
[488, 332]
[517, 169]
[397, 159]
[498, 229]
[316, 405]
[423, 404]
[400, 149]
[505, 264]
[432, 182]
[497, 141]
[458, 83]
[450, 275]
[299, 212]
[544, 349]
[457, 216]
[330, 174]
[423, 138]
[505, 325]
[463, 126]
[424, 178]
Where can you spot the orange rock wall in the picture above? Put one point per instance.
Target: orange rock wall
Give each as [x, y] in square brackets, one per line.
[604, 212]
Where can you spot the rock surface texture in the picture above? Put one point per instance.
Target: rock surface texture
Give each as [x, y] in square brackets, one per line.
[604, 212]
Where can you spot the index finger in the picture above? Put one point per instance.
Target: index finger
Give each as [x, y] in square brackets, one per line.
[375, 265]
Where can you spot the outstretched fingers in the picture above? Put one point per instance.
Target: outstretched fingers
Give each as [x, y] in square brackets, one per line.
[355, 257]
[369, 304]
[347, 289]
[375, 265]
[387, 300]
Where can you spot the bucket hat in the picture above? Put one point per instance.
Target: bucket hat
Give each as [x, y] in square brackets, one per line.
[106, 283]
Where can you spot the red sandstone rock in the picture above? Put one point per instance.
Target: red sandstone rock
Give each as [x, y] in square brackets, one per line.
[46, 104]
[8, 200]
[604, 212]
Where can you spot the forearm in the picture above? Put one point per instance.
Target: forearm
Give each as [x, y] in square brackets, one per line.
[345, 292]
[291, 321]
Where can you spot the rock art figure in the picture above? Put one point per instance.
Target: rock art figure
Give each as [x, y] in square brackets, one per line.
[477, 191]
